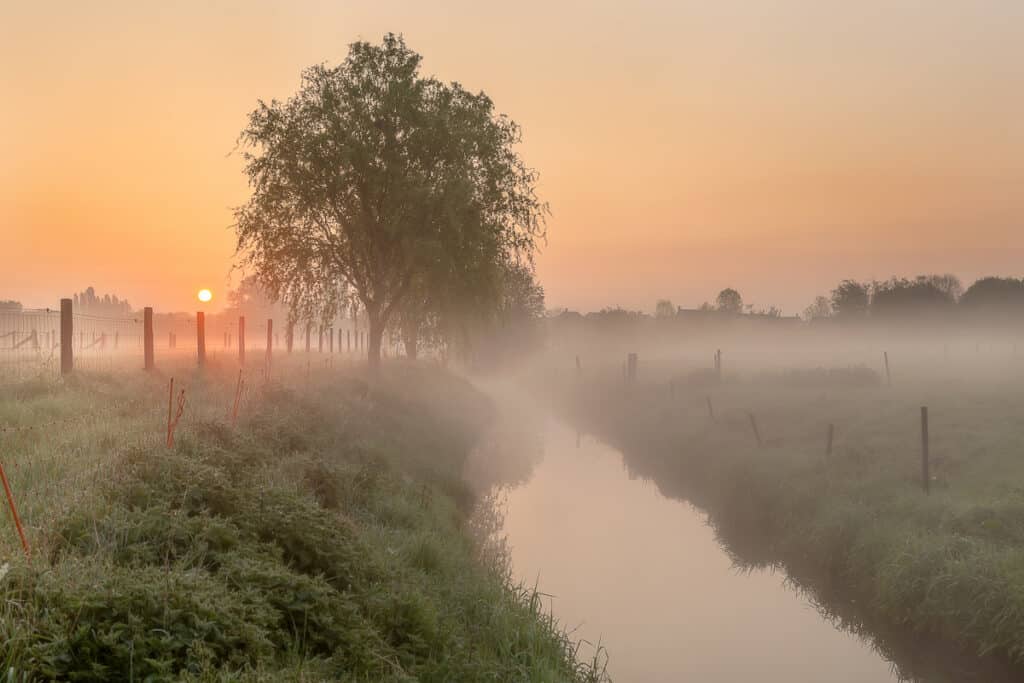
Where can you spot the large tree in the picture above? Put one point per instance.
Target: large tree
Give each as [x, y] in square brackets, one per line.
[729, 301]
[372, 179]
[850, 300]
[995, 297]
[900, 298]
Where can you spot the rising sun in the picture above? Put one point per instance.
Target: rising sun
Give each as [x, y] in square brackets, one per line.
[205, 295]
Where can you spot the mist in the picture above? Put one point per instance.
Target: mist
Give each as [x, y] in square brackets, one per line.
[512, 344]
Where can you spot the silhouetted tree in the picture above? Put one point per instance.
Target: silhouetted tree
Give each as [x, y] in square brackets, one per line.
[948, 283]
[664, 309]
[820, 309]
[729, 301]
[769, 312]
[108, 306]
[903, 298]
[850, 300]
[10, 306]
[995, 297]
[370, 177]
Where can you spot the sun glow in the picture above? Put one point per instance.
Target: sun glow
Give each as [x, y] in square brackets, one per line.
[205, 295]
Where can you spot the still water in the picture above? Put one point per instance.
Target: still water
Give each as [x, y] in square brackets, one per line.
[645, 576]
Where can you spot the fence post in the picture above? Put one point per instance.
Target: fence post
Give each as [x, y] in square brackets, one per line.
[631, 368]
[348, 336]
[270, 339]
[331, 335]
[241, 340]
[67, 360]
[925, 477]
[147, 333]
[201, 338]
[828, 442]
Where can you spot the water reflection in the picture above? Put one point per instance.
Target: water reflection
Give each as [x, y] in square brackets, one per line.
[631, 564]
[646, 576]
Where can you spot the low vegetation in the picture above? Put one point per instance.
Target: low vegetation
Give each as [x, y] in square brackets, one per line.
[326, 537]
[854, 525]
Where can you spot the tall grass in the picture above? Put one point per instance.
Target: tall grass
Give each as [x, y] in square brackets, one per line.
[327, 537]
[945, 568]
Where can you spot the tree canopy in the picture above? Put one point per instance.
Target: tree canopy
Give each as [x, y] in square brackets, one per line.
[729, 301]
[994, 296]
[850, 299]
[374, 181]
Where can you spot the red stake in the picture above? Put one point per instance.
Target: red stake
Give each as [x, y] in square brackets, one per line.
[14, 511]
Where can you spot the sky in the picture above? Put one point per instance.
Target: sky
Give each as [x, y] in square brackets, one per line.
[773, 146]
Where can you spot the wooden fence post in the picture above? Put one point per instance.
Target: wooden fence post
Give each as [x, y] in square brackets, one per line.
[201, 338]
[67, 359]
[241, 340]
[925, 476]
[270, 339]
[331, 335]
[348, 337]
[147, 333]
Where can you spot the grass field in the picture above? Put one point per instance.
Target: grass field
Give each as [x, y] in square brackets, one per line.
[328, 536]
[854, 526]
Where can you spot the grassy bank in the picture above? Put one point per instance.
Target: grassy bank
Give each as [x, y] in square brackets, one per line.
[326, 537]
[854, 527]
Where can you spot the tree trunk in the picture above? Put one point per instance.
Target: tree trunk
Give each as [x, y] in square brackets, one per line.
[411, 339]
[376, 335]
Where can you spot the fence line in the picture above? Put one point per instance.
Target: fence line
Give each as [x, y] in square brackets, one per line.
[30, 340]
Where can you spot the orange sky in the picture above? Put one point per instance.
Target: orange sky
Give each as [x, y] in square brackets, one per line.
[774, 146]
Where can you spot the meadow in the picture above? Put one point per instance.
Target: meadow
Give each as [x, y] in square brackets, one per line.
[936, 579]
[326, 536]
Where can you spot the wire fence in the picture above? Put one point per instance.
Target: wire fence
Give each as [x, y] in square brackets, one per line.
[29, 343]
[31, 340]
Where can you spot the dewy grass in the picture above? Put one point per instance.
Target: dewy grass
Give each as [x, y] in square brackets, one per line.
[327, 537]
[857, 525]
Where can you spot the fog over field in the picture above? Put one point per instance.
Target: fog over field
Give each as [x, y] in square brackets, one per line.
[531, 343]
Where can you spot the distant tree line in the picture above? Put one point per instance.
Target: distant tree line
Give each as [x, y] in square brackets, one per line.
[923, 297]
[107, 306]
